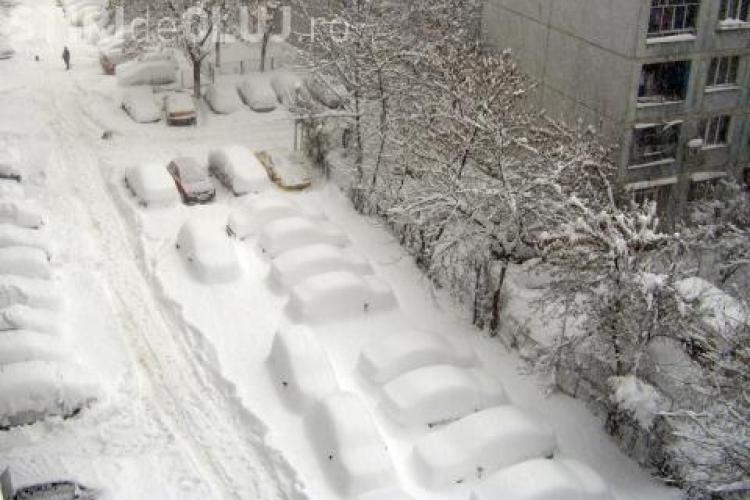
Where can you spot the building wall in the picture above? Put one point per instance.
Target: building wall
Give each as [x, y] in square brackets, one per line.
[587, 56]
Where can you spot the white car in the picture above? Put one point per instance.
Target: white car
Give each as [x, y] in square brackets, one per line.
[180, 109]
[208, 251]
[140, 104]
[223, 98]
[238, 169]
[257, 93]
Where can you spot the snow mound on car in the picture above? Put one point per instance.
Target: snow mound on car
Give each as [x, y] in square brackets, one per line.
[257, 93]
[252, 215]
[19, 346]
[288, 233]
[15, 236]
[25, 261]
[223, 98]
[238, 168]
[22, 213]
[296, 265]
[20, 317]
[29, 292]
[208, 251]
[152, 185]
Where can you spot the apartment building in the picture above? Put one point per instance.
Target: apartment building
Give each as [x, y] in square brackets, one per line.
[666, 80]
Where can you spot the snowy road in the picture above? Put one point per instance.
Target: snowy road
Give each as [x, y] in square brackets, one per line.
[221, 440]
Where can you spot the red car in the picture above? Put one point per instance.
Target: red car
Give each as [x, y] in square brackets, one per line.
[191, 180]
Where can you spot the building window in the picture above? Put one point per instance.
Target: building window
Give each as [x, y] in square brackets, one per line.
[654, 143]
[734, 10]
[715, 130]
[703, 190]
[673, 17]
[658, 194]
[664, 82]
[723, 71]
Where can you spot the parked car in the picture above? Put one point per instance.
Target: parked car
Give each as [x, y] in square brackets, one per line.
[223, 98]
[110, 58]
[328, 92]
[6, 51]
[238, 169]
[160, 72]
[9, 167]
[191, 180]
[151, 185]
[287, 169]
[257, 93]
[180, 109]
[139, 103]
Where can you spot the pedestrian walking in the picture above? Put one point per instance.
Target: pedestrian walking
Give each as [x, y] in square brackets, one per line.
[66, 58]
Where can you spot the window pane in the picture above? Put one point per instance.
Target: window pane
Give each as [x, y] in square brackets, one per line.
[712, 77]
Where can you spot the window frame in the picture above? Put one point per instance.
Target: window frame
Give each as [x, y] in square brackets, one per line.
[741, 8]
[667, 150]
[731, 72]
[690, 10]
[715, 131]
[662, 71]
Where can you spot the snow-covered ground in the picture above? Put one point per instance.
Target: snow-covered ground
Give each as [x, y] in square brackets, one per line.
[195, 401]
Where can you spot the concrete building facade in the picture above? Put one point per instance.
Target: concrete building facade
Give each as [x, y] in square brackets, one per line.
[667, 80]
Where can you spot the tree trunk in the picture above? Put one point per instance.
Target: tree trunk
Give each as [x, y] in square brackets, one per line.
[264, 50]
[495, 322]
[197, 78]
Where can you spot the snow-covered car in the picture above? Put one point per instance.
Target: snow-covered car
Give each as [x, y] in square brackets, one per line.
[223, 98]
[289, 170]
[34, 390]
[326, 91]
[288, 87]
[22, 317]
[22, 213]
[439, 393]
[111, 58]
[16, 236]
[29, 292]
[160, 72]
[338, 295]
[179, 109]
[20, 346]
[152, 185]
[139, 103]
[488, 440]
[238, 169]
[191, 180]
[294, 266]
[25, 261]
[6, 51]
[248, 218]
[256, 92]
[542, 479]
[348, 446]
[208, 251]
[9, 166]
[285, 234]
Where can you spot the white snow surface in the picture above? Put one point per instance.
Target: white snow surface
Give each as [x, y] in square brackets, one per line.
[239, 169]
[15, 236]
[543, 479]
[22, 213]
[439, 393]
[21, 317]
[152, 185]
[208, 251]
[30, 262]
[638, 397]
[255, 212]
[20, 346]
[30, 292]
[300, 368]
[480, 444]
[282, 235]
[191, 410]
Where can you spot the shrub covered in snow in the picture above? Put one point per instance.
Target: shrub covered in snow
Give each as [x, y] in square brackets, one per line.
[208, 251]
[256, 92]
[387, 357]
[348, 446]
[152, 185]
[338, 295]
[34, 390]
[296, 265]
[29, 262]
[20, 346]
[480, 444]
[22, 213]
[300, 368]
[543, 479]
[285, 234]
[238, 169]
[439, 393]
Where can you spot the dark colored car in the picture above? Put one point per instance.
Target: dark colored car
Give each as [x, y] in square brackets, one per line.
[192, 180]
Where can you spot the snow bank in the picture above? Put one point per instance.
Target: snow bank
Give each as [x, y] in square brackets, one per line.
[25, 261]
[296, 265]
[257, 93]
[223, 98]
[22, 213]
[140, 104]
[20, 346]
[480, 444]
[543, 479]
[388, 357]
[15, 236]
[20, 317]
[338, 295]
[439, 393]
[348, 446]
[287, 86]
[238, 169]
[288, 233]
[30, 391]
[300, 368]
[152, 185]
[253, 214]
[208, 251]
[29, 292]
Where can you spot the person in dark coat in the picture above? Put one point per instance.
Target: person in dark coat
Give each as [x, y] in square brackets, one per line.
[66, 58]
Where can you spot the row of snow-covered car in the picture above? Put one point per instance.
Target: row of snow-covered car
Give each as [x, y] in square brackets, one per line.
[38, 375]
